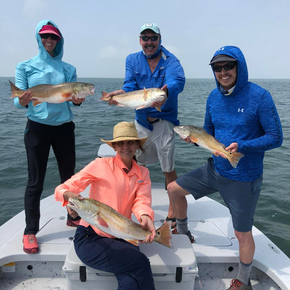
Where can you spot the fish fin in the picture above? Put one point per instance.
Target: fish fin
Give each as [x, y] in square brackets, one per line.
[104, 97]
[66, 97]
[36, 102]
[158, 108]
[134, 242]
[193, 139]
[15, 92]
[145, 95]
[140, 107]
[235, 158]
[163, 235]
[102, 222]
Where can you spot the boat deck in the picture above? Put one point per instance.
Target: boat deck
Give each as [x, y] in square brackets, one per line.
[215, 247]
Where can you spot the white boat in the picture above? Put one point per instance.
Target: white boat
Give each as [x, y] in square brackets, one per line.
[210, 263]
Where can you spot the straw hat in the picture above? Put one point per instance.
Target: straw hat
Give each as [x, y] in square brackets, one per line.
[124, 131]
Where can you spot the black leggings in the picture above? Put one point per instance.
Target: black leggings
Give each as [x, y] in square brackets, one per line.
[38, 139]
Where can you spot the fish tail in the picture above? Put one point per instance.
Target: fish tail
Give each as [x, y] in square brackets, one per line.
[15, 92]
[163, 235]
[104, 97]
[235, 158]
[158, 108]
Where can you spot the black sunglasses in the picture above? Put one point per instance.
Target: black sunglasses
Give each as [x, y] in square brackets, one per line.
[47, 35]
[152, 38]
[122, 143]
[228, 66]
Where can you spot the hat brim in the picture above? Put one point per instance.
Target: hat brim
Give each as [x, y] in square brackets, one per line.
[222, 58]
[110, 142]
[50, 31]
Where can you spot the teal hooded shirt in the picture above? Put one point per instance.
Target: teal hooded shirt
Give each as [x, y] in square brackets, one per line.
[44, 69]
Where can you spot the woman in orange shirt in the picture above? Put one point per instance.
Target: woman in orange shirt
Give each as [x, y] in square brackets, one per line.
[125, 186]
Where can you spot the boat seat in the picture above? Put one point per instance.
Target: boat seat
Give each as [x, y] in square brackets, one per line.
[174, 268]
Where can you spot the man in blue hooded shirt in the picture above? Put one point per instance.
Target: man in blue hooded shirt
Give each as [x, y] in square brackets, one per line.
[242, 116]
[155, 67]
[48, 125]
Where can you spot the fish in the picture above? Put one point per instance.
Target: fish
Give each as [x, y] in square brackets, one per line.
[55, 93]
[108, 220]
[139, 99]
[207, 141]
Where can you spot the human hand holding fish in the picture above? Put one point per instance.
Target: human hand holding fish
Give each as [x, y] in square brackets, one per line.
[147, 223]
[77, 101]
[25, 98]
[112, 94]
[159, 104]
[67, 195]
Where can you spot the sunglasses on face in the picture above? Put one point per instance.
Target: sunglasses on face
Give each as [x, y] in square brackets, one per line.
[152, 38]
[47, 35]
[228, 66]
[122, 143]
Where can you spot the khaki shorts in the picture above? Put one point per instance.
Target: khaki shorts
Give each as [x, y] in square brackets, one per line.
[159, 145]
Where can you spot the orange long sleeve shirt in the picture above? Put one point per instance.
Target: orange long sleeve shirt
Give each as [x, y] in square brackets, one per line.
[126, 193]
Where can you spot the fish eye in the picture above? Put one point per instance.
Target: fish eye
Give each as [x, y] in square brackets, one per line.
[158, 233]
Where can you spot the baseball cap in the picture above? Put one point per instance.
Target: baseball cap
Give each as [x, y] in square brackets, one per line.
[221, 58]
[151, 26]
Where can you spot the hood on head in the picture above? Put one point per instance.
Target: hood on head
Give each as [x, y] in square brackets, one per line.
[58, 51]
[242, 70]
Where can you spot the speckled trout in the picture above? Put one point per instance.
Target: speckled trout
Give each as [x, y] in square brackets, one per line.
[55, 93]
[139, 99]
[111, 222]
[205, 140]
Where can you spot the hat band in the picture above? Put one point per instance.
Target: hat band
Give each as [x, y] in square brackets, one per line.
[125, 137]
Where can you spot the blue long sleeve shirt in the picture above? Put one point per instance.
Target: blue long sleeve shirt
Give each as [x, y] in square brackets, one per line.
[44, 69]
[247, 116]
[168, 72]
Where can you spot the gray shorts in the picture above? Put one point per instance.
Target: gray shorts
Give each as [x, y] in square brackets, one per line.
[240, 197]
[159, 145]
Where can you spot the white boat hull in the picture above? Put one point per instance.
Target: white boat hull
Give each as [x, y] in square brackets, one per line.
[215, 248]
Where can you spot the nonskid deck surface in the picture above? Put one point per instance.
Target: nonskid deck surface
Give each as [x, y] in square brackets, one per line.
[48, 275]
[216, 247]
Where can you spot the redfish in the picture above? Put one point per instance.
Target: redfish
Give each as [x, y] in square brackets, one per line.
[55, 93]
[205, 140]
[112, 222]
[139, 99]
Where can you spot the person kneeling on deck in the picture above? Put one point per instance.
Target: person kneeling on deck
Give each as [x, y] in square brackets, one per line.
[125, 186]
[243, 116]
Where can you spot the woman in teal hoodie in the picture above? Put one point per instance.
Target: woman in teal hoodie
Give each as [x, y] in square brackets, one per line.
[48, 125]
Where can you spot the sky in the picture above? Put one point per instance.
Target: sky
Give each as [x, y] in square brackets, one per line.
[99, 34]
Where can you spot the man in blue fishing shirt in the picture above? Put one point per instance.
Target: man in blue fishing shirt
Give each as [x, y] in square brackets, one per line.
[242, 116]
[155, 67]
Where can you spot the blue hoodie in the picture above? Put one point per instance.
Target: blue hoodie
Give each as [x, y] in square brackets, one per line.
[247, 116]
[168, 72]
[44, 69]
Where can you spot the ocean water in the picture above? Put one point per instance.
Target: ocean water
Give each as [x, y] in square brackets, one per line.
[95, 120]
